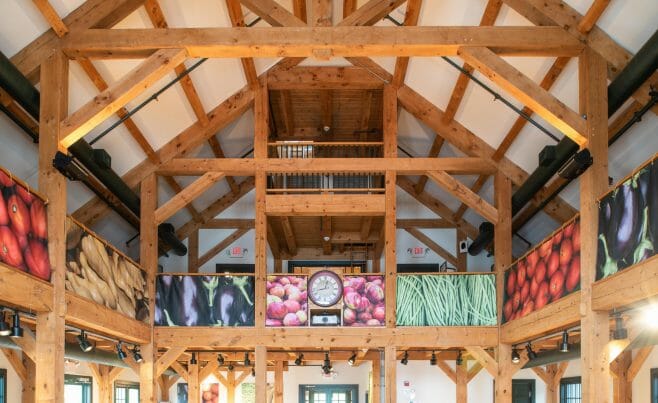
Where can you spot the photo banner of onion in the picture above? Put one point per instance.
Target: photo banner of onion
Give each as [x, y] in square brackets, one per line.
[23, 229]
[287, 301]
[545, 274]
[363, 301]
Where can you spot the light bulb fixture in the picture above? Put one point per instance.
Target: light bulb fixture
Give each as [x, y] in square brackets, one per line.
[516, 358]
[220, 359]
[137, 356]
[193, 360]
[84, 343]
[433, 358]
[326, 238]
[253, 372]
[230, 367]
[405, 358]
[564, 344]
[459, 360]
[120, 353]
[5, 329]
[620, 332]
[650, 316]
[247, 361]
[531, 354]
[300, 359]
[16, 329]
[326, 366]
[352, 359]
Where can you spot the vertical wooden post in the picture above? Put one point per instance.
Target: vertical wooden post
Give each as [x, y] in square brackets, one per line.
[148, 246]
[261, 373]
[49, 377]
[278, 266]
[390, 151]
[321, 13]
[622, 386]
[376, 381]
[552, 387]
[390, 374]
[278, 382]
[593, 183]
[230, 387]
[193, 384]
[462, 258]
[503, 256]
[27, 395]
[261, 134]
[461, 377]
[193, 252]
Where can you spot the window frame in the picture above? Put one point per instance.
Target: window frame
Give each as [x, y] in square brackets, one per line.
[72, 379]
[329, 388]
[573, 380]
[3, 385]
[653, 378]
[125, 385]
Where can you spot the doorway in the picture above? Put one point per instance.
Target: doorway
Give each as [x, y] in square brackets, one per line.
[523, 391]
[328, 393]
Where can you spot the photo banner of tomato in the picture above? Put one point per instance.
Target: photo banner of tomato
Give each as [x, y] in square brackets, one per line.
[546, 274]
[287, 301]
[97, 271]
[628, 223]
[446, 300]
[213, 300]
[23, 229]
[364, 301]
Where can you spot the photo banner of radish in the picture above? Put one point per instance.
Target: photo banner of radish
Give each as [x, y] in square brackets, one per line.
[364, 301]
[545, 274]
[23, 228]
[204, 300]
[628, 222]
[287, 301]
[446, 300]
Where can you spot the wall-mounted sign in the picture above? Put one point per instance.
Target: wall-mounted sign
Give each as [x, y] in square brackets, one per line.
[417, 251]
[236, 252]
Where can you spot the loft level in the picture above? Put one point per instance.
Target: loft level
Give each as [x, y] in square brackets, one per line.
[326, 149]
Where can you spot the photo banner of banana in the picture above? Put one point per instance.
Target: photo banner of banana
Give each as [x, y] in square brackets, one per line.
[97, 271]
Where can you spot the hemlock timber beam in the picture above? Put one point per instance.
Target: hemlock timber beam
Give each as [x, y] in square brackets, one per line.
[464, 194]
[322, 78]
[627, 287]
[341, 41]
[187, 196]
[324, 205]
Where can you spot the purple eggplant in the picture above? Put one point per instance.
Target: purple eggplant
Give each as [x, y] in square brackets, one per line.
[630, 221]
[652, 203]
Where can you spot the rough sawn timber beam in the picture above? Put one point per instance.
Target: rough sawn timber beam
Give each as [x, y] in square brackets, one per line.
[325, 205]
[322, 78]
[627, 287]
[187, 196]
[464, 194]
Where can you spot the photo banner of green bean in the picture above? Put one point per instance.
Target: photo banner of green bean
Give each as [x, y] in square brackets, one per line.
[446, 300]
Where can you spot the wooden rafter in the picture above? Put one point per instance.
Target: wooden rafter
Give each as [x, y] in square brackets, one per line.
[228, 223]
[402, 63]
[187, 196]
[51, 16]
[463, 193]
[403, 223]
[435, 247]
[321, 13]
[349, 6]
[223, 244]
[289, 235]
[237, 19]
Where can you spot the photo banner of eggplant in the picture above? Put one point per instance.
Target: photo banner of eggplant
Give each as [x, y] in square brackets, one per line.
[23, 228]
[97, 271]
[287, 301]
[628, 222]
[204, 300]
[363, 301]
[545, 274]
[446, 300]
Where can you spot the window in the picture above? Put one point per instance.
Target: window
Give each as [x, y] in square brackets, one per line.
[328, 393]
[3, 385]
[77, 389]
[523, 391]
[654, 385]
[570, 391]
[126, 392]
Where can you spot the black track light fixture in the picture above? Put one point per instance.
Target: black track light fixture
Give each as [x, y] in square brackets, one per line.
[193, 360]
[564, 344]
[352, 359]
[459, 360]
[16, 329]
[531, 354]
[326, 365]
[84, 343]
[120, 353]
[300, 359]
[253, 372]
[433, 358]
[5, 329]
[516, 358]
[620, 332]
[247, 361]
[137, 356]
[220, 359]
[405, 358]
[230, 367]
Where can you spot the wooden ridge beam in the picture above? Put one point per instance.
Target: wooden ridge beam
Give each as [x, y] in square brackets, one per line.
[325, 205]
[322, 78]
[434, 246]
[464, 194]
[341, 41]
[225, 243]
[108, 102]
[187, 196]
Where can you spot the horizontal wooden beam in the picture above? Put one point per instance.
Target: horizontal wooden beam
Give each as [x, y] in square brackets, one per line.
[629, 286]
[187, 196]
[320, 41]
[420, 337]
[108, 102]
[228, 223]
[322, 78]
[464, 194]
[249, 166]
[404, 223]
[21, 290]
[324, 205]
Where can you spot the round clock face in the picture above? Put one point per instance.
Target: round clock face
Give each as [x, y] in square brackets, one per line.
[325, 288]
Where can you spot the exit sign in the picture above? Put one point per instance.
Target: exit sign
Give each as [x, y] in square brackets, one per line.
[417, 251]
[236, 252]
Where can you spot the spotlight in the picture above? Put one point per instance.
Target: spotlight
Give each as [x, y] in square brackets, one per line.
[220, 359]
[5, 329]
[253, 372]
[120, 353]
[326, 366]
[230, 367]
[564, 345]
[137, 356]
[85, 345]
[405, 358]
[459, 360]
[352, 359]
[247, 361]
[516, 358]
[433, 358]
[620, 333]
[531, 354]
[193, 360]
[16, 329]
[300, 359]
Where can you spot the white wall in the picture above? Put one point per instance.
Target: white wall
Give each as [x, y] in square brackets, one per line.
[128, 375]
[14, 385]
[641, 383]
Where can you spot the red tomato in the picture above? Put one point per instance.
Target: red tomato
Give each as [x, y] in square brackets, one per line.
[553, 263]
[38, 219]
[511, 282]
[36, 257]
[540, 273]
[534, 287]
[542, 295]
[10, 251]
[575, 238]
[556, 285]
[566, 252]
[546, 248]
[573, 274]
[19, 215]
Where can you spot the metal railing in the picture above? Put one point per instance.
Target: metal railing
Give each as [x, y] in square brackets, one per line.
[309, 149]
[326, 183]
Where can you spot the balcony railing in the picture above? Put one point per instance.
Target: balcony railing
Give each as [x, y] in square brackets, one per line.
[321, 183]
[310, 149]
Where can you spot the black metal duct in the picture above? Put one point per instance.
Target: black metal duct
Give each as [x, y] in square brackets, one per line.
[636, 72]
[20, 88]
[552, 357]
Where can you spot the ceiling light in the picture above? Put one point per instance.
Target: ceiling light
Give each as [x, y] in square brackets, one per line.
[5, 329]
[405, 358]
[433, 358]
[230, 367]
[300, 359]
[85, 345]
[247, 361]
[531, 354]
[326, 366]
[459, 360]
[650, 316]
[253, 372]
[326, 238]
[193, 360]
[352, 359]
[564, 345]
[137, 356]
[516, 358]
[16, 329]
[620, 333]
[220, 359]
[120, 353]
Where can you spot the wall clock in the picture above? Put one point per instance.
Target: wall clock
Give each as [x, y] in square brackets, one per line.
[325, 288]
